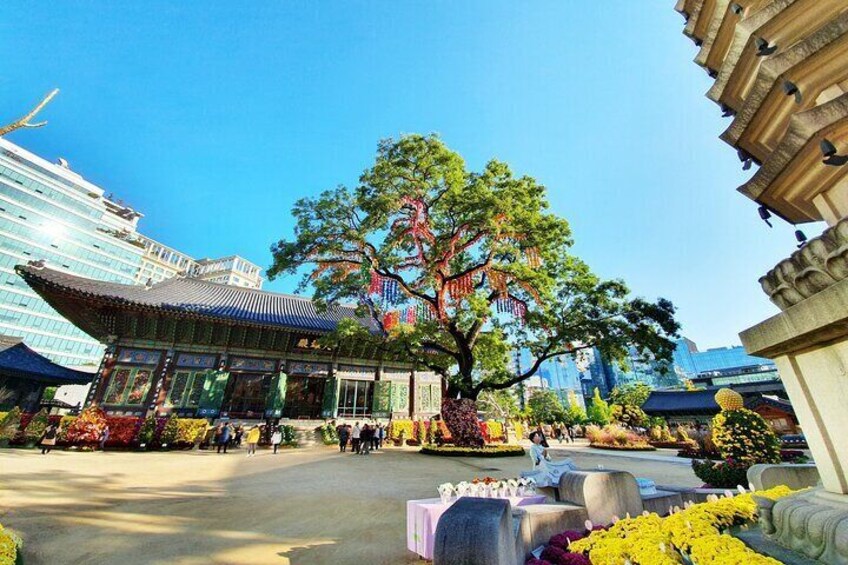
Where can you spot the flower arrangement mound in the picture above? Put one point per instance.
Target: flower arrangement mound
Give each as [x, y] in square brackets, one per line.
[170, 432]
[492, 431]
[10, 547]
[10, 425]
[400, 431]
[460, 416]
[191, 431]
[122, 430]
[505, 450]
[742, 438]
[697, 534]
[36, 426]
[86, 429]
[613, 436]
[65, 425]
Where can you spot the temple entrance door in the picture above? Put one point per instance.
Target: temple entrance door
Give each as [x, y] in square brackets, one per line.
[304, 397]
[246, 395]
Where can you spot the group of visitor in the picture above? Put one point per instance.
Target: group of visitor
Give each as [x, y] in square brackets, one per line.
[363, 439]
[227, 435]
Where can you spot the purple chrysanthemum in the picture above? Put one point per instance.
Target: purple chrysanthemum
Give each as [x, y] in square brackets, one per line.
[534, 561]
[562, 540]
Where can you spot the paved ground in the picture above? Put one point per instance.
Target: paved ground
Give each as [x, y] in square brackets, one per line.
[308, 506]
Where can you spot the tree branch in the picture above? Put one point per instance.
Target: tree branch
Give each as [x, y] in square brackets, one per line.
[25, 121]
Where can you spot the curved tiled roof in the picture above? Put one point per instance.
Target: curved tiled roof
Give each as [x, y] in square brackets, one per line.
[681, 402]
[206, 299]
[18, 360]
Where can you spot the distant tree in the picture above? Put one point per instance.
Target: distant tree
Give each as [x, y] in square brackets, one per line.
[498, 404]
[598, 411]
[574, 412]
[25, 122]
[634, 394]
[545, 406]
[456, 269]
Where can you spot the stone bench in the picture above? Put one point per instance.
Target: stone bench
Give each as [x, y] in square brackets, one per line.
[488, 531]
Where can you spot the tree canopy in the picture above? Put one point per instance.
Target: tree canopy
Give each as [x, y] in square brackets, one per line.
[456, 268]
[545, 407]
[634, 394]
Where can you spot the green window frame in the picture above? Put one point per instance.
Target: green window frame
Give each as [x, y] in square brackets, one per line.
[187, 395]
[128, 386]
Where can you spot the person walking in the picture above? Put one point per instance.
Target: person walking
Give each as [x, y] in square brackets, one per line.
[355, 437]
[224, 438]
[48, 438]
[569, 433]
[252, 440]
[373, 438]
[104, 437]
[276, 438]
[365, 440]
[381, 435]
[344, 435]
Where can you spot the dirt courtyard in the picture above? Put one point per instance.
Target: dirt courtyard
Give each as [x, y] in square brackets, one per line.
[300, 507]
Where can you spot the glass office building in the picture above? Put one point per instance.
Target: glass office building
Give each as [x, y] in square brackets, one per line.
[52, 214]
[722, 366]
[49, 213]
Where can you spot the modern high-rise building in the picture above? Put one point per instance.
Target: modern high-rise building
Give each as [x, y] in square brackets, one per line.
[52, 214]
[722, 366]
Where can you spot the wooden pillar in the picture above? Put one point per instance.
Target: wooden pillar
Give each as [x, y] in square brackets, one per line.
[155, 396]
[101, 377]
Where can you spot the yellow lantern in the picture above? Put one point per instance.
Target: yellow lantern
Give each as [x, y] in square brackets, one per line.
[729, 399]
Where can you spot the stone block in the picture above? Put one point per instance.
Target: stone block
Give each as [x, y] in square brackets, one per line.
[661, 501]
[476, 531]
[538, 522]
[604, 494]
[794, 476]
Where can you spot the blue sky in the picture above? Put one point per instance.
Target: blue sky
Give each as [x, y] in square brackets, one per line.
[213, 121]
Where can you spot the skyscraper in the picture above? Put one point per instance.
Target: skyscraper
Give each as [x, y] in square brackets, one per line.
[50, 213]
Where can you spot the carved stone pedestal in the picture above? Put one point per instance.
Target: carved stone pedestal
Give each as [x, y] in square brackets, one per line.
[808, 341]
[812, 523]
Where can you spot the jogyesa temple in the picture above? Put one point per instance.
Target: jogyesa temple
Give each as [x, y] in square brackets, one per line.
[209, 350]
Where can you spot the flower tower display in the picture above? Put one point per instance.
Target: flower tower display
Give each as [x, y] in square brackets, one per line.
[460, 416]
[742, 435]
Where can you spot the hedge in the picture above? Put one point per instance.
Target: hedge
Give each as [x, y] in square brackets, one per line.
[487, 451]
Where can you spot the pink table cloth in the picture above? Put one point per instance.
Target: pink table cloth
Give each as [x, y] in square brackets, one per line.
[422, 517]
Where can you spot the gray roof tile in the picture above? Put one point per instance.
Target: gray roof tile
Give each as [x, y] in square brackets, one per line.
[215, 300]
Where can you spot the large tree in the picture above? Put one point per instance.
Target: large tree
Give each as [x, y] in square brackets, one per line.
[456, 269]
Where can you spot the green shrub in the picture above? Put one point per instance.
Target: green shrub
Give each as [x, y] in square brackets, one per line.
[329, 434]
[721, 474]
[171, 431]
[147, 433]
[487, 451]
[289, 435]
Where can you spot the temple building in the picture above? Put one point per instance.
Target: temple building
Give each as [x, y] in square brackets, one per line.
[197, 348]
